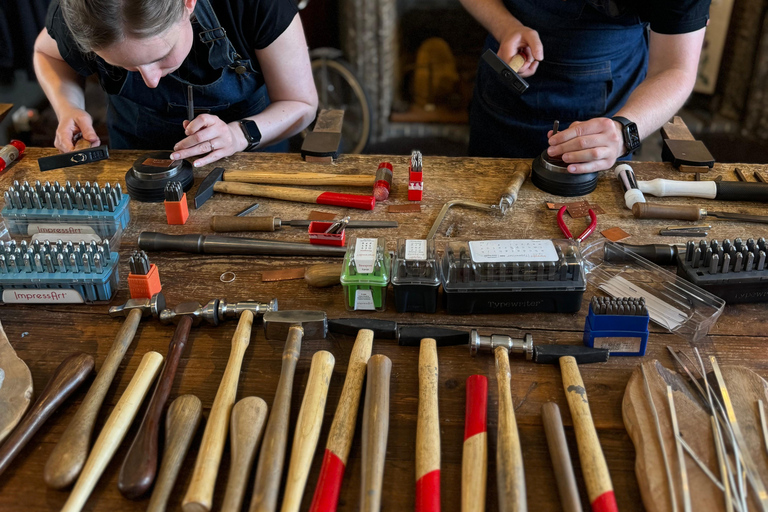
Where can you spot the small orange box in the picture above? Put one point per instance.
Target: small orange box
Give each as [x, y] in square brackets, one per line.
[144, 287]
[317, 234]
[177, 212]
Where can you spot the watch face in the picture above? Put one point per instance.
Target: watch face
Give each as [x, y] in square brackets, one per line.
[252, 133]
[631, 137]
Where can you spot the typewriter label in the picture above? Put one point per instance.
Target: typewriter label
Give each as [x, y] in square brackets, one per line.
[514, 251]
[614, 345]
[42, 296]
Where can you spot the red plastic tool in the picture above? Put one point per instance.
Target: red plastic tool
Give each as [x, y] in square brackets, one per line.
[567, 232]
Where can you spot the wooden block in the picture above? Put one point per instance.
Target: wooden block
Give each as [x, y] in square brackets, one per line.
[676, 130]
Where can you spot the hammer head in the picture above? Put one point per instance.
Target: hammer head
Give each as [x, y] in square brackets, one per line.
[152, 306]
[277, 324]
[508, 75]
[205, 190]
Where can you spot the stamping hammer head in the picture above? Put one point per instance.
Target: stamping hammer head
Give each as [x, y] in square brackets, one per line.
[205, 190]
[507, 72]
[277, 324]
[152, 306]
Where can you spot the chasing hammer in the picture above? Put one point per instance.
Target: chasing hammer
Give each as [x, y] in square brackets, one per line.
[428, 431]
[510, 475]
[474, 461]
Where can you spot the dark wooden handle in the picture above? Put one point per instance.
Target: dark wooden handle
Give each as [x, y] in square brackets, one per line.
[561, 458]
[671, 211]
[375, 432]
[298, 195]
[67, 377]
[323, 275]
[140, 465]
[224, 224]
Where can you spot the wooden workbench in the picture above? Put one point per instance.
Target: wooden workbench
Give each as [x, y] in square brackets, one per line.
[44, 335]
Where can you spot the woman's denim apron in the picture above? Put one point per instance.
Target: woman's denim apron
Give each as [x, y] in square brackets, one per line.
[594, 57]
[142, 118]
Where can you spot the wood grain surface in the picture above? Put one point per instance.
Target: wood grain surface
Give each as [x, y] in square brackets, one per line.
[44, 335]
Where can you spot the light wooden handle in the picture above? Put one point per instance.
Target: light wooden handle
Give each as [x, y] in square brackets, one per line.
[510, 475]
[270, 466]
[343, 427]
[114, 430]
[297, 195]
[375, 432]
[669, 211]
[64, 381]
[224, 224]
[474, 463]
[199, 495]
[428, 431]
[301, 178]
[308, 429]
[519, 175]
[181, 423]
[561, 458]
[517, 62]
[82, 143]
[593, 466]
[246, 427]
[139, 468]
[68, 456]
[323, 275]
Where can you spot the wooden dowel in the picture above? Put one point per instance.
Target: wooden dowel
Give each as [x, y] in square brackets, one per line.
[246, 427]
[474, 463]
[561, 458]
[510, 474]
[375, 432]
[301, 178]
[428, 431]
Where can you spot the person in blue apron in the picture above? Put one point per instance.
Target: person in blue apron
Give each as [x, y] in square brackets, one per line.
[610, 71]
[244, 63]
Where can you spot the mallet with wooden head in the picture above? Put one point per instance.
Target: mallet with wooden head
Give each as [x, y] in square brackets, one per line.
[293, 327]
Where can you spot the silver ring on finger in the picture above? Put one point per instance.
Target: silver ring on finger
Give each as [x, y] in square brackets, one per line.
[210, 143]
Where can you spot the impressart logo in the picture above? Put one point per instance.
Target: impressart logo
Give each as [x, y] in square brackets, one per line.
[69, 230]
[513, 304]
[52, 296]
[27, 296]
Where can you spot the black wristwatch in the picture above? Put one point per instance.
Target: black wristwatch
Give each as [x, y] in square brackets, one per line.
[630, 134]
[251, 132]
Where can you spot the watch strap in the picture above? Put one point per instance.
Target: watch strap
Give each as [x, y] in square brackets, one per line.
[253, 143]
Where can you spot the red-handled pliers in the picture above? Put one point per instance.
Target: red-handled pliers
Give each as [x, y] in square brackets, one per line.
[567, 232]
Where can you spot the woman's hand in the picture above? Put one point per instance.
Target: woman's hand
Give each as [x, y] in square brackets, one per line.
[588, 146]
[518, 38]
[71, 123]
[210, 136]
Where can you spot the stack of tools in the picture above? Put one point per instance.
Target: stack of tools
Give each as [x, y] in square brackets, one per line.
[511, 276]
[144, 279]
[176, 209]
[735, 272]
[57, 272]
[618, 325]
[415, 276]
[78, 209]
[150, 173]
[365, 275]
[415, 177]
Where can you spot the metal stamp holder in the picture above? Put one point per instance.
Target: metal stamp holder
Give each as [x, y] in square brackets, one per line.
[150, 173]
[415, 276]
[365, 275]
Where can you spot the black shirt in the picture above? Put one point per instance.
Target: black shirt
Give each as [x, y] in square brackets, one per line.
[663, 16]
[250, 25]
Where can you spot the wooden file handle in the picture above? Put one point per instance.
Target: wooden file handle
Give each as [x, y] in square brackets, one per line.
[474, 463]
[519, 175]
[297, 195]
[670, 211]
[269, 470]
[114, 431]
[517, 62]
[428, 431]
[323, 275]
[225, 224]
[199, 495]
[375, 432]
[308, 429]
[343, 427]
[593, 466]
[510, 474]
[66, 379]
[246, 427]
[140, 465]
[181, 423]
[68, 456]
[301, 178]
[561, 458]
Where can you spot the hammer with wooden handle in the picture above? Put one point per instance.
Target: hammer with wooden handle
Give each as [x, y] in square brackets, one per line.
[343, 427]
[140, 465]
[308, 429]
[428, 431]
[561, 459]
[375, 431]
[181, 423]
[596, 475]
[246, 427]
[300, 178]
[199, 496]
[510, 475]
[474, 462]
[114, 431]
[64, 381]
[68, 456]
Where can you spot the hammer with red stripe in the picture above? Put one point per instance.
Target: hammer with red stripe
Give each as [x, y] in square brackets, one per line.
[474, 463]
[428, 431]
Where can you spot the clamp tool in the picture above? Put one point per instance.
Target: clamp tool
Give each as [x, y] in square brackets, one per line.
[585, 234]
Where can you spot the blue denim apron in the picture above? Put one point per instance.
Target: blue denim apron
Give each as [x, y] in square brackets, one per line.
[593, 60]
[142, 118]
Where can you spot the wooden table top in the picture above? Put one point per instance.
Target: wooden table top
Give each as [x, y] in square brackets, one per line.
[44, 335]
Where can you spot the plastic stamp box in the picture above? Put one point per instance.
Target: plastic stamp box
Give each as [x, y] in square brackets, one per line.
[365, 275]
[415, 276]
